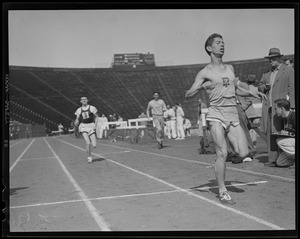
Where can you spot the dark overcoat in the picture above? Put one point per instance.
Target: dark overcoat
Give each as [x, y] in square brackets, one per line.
[283, 87]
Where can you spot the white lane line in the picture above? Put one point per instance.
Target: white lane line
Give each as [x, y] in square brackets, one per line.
[18, 159]
[209, 164]
[99, 220]
[119, 152]
[271, 225]
[132, 195]
[16, 143]
[232, 185]
[36, 158]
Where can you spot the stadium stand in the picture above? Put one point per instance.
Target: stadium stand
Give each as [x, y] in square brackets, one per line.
[53, 94]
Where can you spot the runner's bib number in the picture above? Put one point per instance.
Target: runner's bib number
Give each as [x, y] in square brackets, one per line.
[85, 115]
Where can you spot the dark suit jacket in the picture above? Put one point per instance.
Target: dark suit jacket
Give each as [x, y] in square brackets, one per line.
[283, 87]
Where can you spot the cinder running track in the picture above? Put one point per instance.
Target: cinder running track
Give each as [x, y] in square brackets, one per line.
[137, 187]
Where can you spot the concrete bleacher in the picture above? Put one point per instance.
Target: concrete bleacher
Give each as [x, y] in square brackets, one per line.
[123, 92]
[28, 107]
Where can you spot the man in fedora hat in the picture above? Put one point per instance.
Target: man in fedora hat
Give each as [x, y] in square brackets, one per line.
[276, 83]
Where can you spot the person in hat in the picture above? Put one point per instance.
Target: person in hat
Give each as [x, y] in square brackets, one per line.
[276, 83]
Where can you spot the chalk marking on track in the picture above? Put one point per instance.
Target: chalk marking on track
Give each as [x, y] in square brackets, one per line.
[132, 195]
[18, 159]
[16, 143]
[248, 216]
[209, 164]
[28, 159]
[99, 220]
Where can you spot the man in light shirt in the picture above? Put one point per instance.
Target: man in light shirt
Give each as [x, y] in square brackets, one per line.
[156, 108]
[171, 122]
[179, 120]
[102, 126]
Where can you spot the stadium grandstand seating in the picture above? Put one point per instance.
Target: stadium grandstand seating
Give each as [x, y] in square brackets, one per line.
[51, 95]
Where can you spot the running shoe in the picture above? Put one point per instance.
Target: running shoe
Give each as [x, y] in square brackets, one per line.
[160, 145]
[90, 160]
[247, 159]
[225, 198]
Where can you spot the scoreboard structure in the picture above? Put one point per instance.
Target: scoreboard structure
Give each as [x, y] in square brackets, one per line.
[133, 60]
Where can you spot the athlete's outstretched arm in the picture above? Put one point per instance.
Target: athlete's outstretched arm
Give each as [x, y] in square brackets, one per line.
[197, 85]
[243, 89]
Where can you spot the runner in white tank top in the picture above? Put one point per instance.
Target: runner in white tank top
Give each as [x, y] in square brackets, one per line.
[221, 85]
[86, 120]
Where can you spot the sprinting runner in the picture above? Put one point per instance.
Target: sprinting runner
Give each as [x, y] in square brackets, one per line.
[221, 85]
[86, 120]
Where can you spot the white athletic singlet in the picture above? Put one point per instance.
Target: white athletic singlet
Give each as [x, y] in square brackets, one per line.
[222, 97]
[221, 89]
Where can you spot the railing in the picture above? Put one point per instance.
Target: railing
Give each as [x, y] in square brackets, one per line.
[135, 122]
[118, 124]
[131, 124]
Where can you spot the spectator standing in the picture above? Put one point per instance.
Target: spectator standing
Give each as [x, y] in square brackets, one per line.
[276, 83]
[201, 105]
[120, 119]
[18, 133]
[60, 128]
[11, 134]
[143, 123]
[27, 132]
[171, 123]
[179, 121]
[166, 121]
[101, 127]
[187, 126]
[112, 118]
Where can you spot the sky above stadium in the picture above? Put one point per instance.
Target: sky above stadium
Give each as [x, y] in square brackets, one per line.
[90, 38]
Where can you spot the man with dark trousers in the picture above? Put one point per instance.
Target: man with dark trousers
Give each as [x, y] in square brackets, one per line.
[276, 83]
